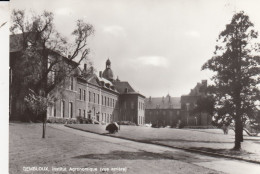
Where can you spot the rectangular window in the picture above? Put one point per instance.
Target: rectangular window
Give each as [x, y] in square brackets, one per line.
[62, 110]
[132, 105]
[84, 113]
[110, 102]
[70, 109]
[84, 95]
[79, 93]
[89, 96]
[80, 112]
[102, 100]
[94, 96]
[113, 103]
[54, 110]
[71, 83]
[105, 101]
[52, 78]
[98, 98]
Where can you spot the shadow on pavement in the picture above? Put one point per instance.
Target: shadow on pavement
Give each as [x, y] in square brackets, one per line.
[181, 140]
[223, 151]
[118, 155]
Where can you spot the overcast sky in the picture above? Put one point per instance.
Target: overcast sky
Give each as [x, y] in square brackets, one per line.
[157, 46]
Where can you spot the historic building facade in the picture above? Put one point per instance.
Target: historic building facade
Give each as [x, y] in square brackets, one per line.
[168, 111]
[88, 96]
[100, 98]
[163, 111]
[189, 102]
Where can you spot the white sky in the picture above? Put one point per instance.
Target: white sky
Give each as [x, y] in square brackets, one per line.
[158, 46]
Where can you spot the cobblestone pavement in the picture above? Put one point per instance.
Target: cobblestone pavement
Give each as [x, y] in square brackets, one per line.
[209, 140]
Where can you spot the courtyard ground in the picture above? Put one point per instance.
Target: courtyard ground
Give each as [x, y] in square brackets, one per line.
[205, 140]
[65, 150]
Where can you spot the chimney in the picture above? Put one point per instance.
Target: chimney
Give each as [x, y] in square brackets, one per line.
[126, 90]
[150, 99]
[91, 70]
[84, 72]
[100, 74]
[204, 83]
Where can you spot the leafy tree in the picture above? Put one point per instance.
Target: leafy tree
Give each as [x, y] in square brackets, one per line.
[204, 104]
[237, 67]
[44, 64]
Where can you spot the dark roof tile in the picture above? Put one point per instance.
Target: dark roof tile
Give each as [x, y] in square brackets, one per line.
[121, 86]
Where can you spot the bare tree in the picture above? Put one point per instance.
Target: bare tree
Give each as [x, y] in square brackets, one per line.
[47, 57]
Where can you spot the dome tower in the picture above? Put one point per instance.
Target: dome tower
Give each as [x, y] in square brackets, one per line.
[108, 73]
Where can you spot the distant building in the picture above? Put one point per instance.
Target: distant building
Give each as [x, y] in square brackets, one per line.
[163, 111]
[189, 102]
[168, 111]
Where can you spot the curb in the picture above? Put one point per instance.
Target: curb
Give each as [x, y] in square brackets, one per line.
[170, 146]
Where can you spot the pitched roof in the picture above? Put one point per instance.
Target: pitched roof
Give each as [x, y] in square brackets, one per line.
[96, 80]
[105, 80]
[163, 103]
[121, 86]
[189, 98]
[16, 45]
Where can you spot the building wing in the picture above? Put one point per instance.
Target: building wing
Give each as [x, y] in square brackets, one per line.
[163, 103]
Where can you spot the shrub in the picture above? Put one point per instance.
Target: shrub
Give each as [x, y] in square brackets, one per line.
[126, 123]
[112, 128]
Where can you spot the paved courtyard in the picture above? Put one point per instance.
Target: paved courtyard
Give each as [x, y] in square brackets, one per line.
[70, 149]
[210, 140]
[66, 150]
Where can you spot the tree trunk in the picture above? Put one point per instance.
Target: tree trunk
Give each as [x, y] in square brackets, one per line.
[238, 133]
[43, 126]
